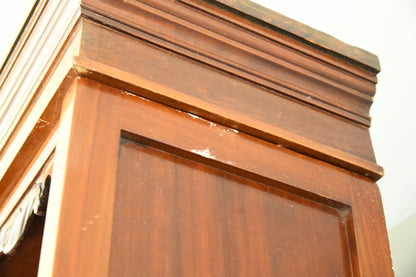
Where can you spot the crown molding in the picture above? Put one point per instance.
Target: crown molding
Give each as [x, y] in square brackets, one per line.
[211, 36]
[23, 95]
[203, 33]
[53, 22]
[299, 31]
[235, 118]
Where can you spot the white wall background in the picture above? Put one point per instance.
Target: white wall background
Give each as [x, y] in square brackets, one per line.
[388, 29]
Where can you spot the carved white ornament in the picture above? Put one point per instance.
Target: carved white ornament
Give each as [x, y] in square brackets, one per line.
[14, 227]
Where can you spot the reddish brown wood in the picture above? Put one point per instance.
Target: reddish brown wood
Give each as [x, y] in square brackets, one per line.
[233, 48]
[177, 217]
[31, 149]
[307, 35]
[197, 141]
[85, 195]
[225, 99]
[24, 260]
[370, 233]
[260, 196]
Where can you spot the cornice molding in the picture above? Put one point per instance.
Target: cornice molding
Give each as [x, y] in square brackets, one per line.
[280, 23]
[23, 95]
[201, 31]
[50, 27]
[269, 59]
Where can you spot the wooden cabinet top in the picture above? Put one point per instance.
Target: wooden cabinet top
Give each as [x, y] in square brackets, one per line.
[233, 62]
[279, 23]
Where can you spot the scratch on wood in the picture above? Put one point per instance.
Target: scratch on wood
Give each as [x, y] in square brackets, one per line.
[45, 123]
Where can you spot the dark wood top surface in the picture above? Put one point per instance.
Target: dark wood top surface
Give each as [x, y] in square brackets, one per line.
[299, 31]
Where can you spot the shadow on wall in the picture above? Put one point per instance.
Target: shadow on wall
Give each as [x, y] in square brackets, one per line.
[403, 247]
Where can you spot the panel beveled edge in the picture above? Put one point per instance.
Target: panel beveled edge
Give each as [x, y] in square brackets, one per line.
[139, 124]
[207, 157]
[239, 161]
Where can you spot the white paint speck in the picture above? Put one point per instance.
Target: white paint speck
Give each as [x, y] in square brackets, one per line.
[193, 116]
[128, 93]
[203, 152]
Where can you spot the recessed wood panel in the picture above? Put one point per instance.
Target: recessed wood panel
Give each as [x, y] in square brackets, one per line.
[174, 216]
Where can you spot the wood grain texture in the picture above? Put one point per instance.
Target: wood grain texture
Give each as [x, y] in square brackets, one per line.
[212, 39]
[39, 118]
[182, 174]
[177, 217]
[79, 226]
[370, 233]
[39, 137]
[32, 65]
[194, 140]
[306, 34]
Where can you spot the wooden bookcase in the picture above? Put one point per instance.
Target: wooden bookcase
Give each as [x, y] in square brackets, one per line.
[187, 138]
